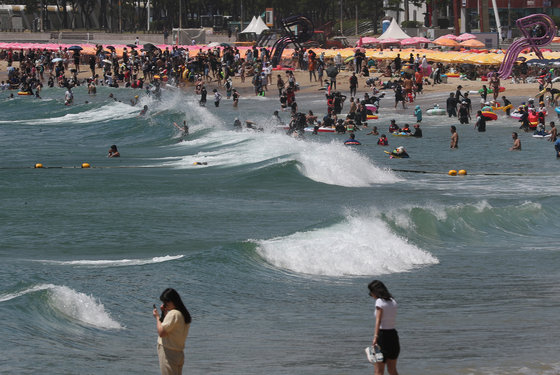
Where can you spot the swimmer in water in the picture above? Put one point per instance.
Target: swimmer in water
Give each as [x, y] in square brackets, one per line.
[144, 111]
[68, 96]
[184, 129]
[352, 140]
[516, 142]
[399, 152]
[113, 152]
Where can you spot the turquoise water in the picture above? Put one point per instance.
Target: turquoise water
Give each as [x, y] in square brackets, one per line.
[271, 243]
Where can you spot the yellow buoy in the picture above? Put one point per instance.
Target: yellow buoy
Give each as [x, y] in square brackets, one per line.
[462, 172]
[38, 165]
[85, 165]
[452, 172]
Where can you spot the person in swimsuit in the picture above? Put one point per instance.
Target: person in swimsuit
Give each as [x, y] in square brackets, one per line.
[113, 152]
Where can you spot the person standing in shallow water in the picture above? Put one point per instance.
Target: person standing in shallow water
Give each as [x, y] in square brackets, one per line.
[173, 329]
[454, 137]
[385, 335]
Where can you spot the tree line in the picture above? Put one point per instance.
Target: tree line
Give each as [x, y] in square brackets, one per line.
[132, 15]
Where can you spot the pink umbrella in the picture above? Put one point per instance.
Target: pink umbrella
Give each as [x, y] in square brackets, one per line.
[414, 40]
[367, 40]
[448, 36]
[389, 41]
[465, 36]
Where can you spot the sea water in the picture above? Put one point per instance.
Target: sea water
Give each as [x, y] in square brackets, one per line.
[270, 240]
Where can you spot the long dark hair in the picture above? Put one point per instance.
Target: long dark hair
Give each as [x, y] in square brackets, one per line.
[379, 289]
[171, 295]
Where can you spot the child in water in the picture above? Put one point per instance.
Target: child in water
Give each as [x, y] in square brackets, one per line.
[418, 113]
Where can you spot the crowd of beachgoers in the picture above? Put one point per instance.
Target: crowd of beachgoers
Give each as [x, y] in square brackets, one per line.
[135, 67]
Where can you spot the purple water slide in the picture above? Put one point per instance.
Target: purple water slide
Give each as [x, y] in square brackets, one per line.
[538, 31]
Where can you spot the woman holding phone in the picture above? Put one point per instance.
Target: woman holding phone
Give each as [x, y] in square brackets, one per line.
[173, 328]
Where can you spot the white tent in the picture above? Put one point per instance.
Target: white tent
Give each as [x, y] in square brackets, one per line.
[256, 26]
[260, 26]
[250, 26]
[394, 31]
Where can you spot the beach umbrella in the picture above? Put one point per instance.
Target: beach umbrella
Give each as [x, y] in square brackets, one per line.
[487, 59]
[389, 41]
[539, 62]
[446, 42]
[447, 36]
[55, 60]
[414, 40]
[107, 61]
[111, 48]
[472, 43]
[332, 71]
[75, 48]
[132, 46]
[465, 36]
[367, 41]
[149, 47]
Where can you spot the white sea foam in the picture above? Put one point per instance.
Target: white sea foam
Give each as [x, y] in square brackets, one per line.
[358, 246]
[37, 288]
[76, 305]
[109, 112]
[114, 263]
[329, 163]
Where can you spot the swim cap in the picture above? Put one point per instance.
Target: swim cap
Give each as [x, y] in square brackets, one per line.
[400, 148]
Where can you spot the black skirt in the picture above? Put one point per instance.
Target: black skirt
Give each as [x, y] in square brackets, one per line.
[388, 341]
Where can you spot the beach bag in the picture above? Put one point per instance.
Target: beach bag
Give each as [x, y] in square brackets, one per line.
[373, 354]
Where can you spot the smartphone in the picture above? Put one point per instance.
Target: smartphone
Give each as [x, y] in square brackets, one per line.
[154, 306]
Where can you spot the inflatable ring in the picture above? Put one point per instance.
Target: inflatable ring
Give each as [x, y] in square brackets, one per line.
[489, 115]
[489, 91]
[509, 106]
[372, 117]
[24, 93]
[436, 111]
[371, 107]
[454, 75]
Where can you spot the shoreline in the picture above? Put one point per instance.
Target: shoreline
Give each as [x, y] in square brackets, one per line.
[306, 87]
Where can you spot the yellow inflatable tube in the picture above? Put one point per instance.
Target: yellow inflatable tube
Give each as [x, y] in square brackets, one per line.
[509, 106]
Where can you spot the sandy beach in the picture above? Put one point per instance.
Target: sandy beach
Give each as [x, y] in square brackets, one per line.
[307, 87]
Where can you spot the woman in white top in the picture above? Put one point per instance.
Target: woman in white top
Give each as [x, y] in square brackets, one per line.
[385, 334]
[173, 328]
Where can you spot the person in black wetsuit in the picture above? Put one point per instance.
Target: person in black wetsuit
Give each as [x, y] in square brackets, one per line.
[480, 122]
[417, 131]
[203, 94]
[463, 113]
